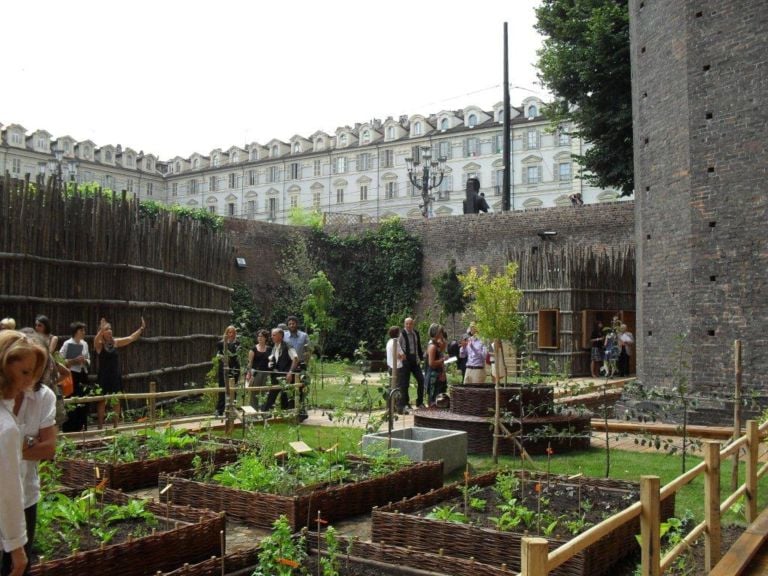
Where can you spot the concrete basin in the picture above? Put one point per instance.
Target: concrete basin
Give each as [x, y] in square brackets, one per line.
[427, 444]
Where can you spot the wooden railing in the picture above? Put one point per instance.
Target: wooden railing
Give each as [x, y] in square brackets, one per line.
[536, 560]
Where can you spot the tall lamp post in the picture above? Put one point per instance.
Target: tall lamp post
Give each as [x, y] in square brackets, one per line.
[426, 175]
[58, 153]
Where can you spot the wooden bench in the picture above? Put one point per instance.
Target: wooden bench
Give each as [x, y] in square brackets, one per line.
[737, 559]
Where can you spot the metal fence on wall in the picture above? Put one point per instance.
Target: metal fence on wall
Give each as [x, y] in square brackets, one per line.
[84, 257]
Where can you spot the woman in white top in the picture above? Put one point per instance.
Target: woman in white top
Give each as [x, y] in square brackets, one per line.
[77, 359]
[395, 348]
[35, 411]
[21, 366]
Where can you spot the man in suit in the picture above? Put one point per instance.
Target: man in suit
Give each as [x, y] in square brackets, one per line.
[411, 345]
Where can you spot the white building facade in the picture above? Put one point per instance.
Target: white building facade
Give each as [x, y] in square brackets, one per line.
[358, 170]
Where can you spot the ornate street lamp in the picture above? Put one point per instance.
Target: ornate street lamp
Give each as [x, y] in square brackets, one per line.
[426, 175]
[58, 153]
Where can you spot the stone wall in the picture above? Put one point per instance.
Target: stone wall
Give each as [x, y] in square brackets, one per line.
[699, 77]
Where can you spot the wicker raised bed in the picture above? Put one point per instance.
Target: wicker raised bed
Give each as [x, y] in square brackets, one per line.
[395, 524]
[195, 538]
[81, 472]
[480, 399]
[334, 502]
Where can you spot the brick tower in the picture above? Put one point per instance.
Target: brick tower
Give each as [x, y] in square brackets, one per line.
[700, 101]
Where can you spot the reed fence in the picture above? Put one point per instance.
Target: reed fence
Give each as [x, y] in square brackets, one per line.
[81, 257]
[571, 281]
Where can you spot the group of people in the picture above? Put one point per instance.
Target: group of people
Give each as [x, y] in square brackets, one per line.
[406, 357]
[73, 360]
[612, 347]
[282, 353]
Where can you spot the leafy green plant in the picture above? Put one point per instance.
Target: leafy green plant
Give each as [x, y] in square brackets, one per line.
[448, 514]
[281, 552]
[330, 563]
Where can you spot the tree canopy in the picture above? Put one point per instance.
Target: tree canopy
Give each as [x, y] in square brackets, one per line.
[585, 62]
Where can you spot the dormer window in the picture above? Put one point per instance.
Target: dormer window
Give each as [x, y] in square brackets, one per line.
[275, 151]
[532, 111]
[417, 129]
[501, 116]
[129, 160]
[41, 142]
[108, 155]
[254, 154]
[234, 158]
[366, 138]
[472, 120]
[16, 138]
[390, 133]
[296, 147]
[196, 163]
[86, 151]
[343, 140]
[216, 160]
[148, 164]
[177, 167]
[320, 143]
[444, 124]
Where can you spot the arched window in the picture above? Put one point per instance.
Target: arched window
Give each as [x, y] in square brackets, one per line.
[196, 163]
[296, 147]
[366, 136]
[177, 168]
[501, 115]
[275, 150]
[234, 158]
[417, 129]
[472, 120]
[444, 124]
[320, 143]
[532, 111]
[216, 161]
[343, 140]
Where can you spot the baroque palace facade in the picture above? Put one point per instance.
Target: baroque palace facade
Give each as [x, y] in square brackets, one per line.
[358, 170]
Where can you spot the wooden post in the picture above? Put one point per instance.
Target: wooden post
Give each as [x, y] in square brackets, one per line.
[229, 409]
[650, 540]
[753, 444]
[152, 403]
[711, 505]
[736, 412]
[497, 399]
[533, 557]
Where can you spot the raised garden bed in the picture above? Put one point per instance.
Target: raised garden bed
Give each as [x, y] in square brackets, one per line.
[480, 399]
[192, 535]
[335, 502]
[404, 524]
[80, 470]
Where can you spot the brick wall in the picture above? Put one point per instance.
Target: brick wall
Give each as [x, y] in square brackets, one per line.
[700, 76]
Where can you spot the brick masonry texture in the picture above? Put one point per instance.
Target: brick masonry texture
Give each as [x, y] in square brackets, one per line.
[470, 240]
[700, 76]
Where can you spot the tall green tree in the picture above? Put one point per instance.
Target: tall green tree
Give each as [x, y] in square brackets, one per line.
[449, 292]
[585, 63]
[316, 308]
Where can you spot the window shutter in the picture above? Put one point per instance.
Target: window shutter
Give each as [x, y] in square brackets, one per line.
[556, 173]
[416, 154]
[525, 175]
[541, 172]
[525, 141]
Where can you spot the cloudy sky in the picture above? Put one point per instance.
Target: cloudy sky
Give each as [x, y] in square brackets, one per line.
[174, 77]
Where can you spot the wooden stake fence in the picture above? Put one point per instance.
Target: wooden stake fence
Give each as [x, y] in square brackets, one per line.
[648, 509]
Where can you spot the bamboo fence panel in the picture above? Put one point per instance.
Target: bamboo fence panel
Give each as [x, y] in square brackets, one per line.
[81, 257]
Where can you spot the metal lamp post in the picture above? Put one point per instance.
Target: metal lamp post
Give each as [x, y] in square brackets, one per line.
[426, 175]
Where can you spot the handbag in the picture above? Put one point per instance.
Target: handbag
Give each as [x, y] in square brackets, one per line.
[67, 385]
[488, 358]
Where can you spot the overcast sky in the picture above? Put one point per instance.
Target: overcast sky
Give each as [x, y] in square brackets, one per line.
[175, 77]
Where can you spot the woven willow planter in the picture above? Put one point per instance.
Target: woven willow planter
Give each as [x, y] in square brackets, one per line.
[334, 502]
[196, 536]
[396, 525]
[81, 472]
[480, 399]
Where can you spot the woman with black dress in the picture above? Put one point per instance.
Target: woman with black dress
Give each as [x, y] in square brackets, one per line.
[110, 378]
[227, 350]
[258, 364]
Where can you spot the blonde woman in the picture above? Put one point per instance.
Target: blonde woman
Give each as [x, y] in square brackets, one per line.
[21, 366]
[228, 352]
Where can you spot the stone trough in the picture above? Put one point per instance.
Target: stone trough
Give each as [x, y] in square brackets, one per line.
[427, 444]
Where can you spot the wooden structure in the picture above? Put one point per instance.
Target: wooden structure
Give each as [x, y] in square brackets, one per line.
[81, 257]
[565, 291]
